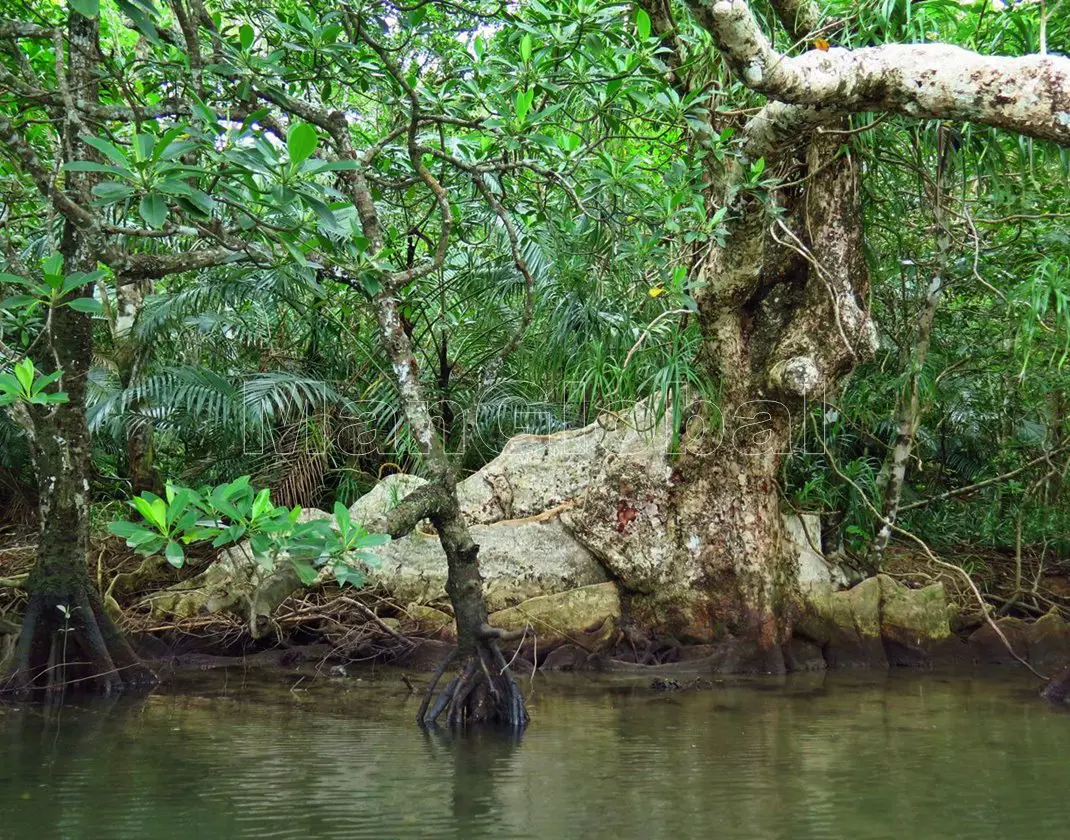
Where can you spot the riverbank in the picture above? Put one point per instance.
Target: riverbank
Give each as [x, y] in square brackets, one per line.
[917, 615]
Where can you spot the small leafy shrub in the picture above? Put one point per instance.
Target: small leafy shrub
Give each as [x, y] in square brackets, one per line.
[231, 512]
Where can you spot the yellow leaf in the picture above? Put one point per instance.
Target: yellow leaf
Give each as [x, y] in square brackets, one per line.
[822, 44]
[655, 291]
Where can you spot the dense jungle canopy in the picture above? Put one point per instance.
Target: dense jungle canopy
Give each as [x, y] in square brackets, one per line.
[298, 247]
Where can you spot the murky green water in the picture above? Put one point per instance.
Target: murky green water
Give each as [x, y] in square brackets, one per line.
[904, 756]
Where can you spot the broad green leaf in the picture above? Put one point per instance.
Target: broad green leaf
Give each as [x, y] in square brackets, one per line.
[143, 145]
[140, 15]
[174, 150]
[261, 503]
[143, 537]
[110, 192]
[301, 142]
[175, 555]
[18, 301]
[42, 382]
[89, 305]
[108, 149]
[167, 140]
[523, 103]
[525, 47]
[124, 529]
[52, 265]
[260, 544]
[176, 503]
[371, 540]
[346, 574]
[92, 166]
[78, 279]
[50, 399]
[150, 547]
[642, 23]
[153, 210]
[145, 504]
[24, 373]
[314, 166]
[246, 36]
[341, 516]
[305, 571]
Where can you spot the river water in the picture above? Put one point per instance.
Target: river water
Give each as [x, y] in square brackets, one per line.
[920, 756]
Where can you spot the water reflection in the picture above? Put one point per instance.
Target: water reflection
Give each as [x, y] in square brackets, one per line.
[852, 756]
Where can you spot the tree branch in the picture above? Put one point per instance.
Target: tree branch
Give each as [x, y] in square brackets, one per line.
[1029, 94]
[25, 29]
[32, 166]
[664, 26]
[422, 503]
[132, 267]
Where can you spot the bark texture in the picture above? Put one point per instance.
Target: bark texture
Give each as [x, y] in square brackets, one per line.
[484, 691]
[1026, 94]
[784, 317]
[67, 637]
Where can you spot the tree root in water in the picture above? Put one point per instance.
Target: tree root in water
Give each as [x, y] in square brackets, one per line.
[71, 641]
[483, 692]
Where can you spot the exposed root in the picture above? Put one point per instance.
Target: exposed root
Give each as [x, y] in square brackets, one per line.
[72, 642]
[483, 692]
[125, 582]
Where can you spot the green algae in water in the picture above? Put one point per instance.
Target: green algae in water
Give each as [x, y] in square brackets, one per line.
[920, 756]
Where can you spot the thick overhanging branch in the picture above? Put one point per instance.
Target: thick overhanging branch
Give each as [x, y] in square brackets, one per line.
[422, 503]
[778, 128]
[25, 29]
[1026, 94]
[800, 18]
[133, 267]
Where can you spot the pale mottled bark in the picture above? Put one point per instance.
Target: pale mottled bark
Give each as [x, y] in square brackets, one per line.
[783, 315]
[1026, 94]
[799, 17]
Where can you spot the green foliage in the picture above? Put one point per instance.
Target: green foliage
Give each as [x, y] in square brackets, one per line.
[54, 290]
[26, 385]
[229, 513]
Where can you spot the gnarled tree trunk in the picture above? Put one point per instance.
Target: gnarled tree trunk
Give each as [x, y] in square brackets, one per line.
[782, 309]
[783, 315]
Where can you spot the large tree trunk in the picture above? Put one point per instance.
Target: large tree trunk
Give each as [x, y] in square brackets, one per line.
[729, 522]
[66, 636]
[696, 541]
[783, 315]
